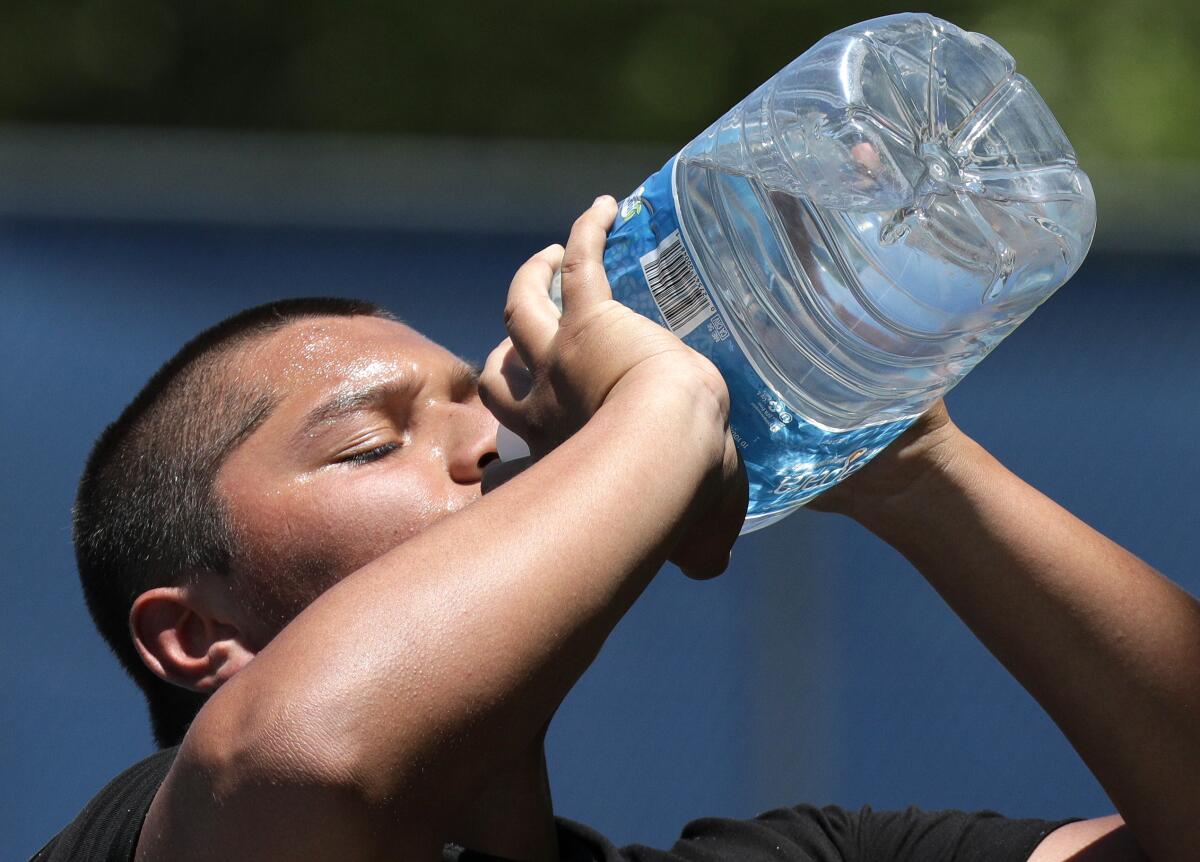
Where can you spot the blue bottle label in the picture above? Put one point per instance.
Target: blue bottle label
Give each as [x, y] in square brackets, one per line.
[788, 459]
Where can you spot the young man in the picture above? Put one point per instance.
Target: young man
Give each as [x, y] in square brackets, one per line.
[302, 516]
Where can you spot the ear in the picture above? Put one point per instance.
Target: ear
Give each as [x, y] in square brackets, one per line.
[183, 641]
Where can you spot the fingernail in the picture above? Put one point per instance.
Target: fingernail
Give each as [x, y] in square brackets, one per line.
[599, 200]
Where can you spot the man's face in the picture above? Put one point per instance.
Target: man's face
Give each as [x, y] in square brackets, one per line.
[378, 433]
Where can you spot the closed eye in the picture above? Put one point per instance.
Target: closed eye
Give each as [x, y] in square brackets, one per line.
[370, 455]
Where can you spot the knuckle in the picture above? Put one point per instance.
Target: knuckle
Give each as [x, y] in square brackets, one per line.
[575, 267]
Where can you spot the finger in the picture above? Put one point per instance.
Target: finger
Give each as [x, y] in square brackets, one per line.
[497, 473]
[503, 384]
[709, 555]
[530, 316]
[865, 154]
[711, 567]
[583, 280]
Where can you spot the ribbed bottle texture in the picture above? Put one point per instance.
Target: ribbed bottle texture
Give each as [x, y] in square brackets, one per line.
[853, 238]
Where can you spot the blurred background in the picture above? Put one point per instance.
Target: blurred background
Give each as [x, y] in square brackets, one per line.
[164, 164]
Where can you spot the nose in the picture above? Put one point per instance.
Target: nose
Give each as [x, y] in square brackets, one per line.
[474, 446]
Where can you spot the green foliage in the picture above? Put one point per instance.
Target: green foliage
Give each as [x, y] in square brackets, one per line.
[1121, 76]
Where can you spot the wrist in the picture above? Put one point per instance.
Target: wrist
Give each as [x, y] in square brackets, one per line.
[680, 424]
[697, 405]
[928, 473]
[694, 410]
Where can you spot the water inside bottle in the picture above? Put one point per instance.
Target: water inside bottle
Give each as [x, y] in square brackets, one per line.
[852, 238]
[907, 202]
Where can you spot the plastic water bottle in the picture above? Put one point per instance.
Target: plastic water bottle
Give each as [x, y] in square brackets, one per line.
[852, 238]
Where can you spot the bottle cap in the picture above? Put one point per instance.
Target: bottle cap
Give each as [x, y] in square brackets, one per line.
[509, 446]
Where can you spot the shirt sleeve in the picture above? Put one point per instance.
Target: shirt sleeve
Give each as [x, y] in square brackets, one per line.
[107, 829]
[976, 836]
[808, 834]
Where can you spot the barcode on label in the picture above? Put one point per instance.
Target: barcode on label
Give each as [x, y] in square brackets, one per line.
[677, 290]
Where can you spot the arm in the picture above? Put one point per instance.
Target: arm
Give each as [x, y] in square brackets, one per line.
[388, 702]
[1108, 646]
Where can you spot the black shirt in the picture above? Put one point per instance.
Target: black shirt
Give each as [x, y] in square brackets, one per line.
[108, 827]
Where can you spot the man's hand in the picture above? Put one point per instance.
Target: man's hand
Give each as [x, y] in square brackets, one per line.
[555, 371]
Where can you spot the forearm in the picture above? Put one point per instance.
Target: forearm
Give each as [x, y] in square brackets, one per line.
[1108, 646]
[436, 664]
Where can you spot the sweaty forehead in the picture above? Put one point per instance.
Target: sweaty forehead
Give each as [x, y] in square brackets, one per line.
[326, 350]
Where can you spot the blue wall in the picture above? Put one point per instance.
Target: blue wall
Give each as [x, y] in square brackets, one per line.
[821, 668]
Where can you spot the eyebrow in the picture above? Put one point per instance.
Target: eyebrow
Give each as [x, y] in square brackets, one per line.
[464, 375]
[344, 403]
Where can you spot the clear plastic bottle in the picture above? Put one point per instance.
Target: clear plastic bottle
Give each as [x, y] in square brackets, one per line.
[852, 238]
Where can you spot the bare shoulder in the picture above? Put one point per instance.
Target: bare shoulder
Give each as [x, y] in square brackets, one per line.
[232, 796]
[1102, 839]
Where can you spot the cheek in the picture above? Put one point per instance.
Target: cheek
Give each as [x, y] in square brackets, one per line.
[339, 520]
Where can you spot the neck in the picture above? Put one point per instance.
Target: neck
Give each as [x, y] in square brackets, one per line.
[513, 816]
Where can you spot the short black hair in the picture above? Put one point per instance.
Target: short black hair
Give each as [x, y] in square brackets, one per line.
[147, 513]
